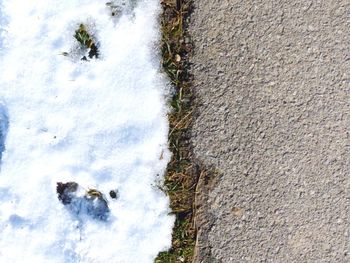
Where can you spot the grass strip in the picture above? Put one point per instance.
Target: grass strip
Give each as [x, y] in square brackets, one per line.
[181, 177]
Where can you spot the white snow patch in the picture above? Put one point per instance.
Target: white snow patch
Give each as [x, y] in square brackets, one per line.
[101, 123]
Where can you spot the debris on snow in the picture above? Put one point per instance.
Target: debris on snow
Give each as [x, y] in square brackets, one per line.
[113, 194]
[92, 203]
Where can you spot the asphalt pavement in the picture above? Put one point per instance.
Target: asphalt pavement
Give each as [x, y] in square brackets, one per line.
[272, 84]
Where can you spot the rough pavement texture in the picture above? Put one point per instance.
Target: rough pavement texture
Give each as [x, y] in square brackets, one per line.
[273, 87]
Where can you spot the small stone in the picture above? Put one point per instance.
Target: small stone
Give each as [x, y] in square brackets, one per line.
[237, 211]
[113, 194]
[177, 58]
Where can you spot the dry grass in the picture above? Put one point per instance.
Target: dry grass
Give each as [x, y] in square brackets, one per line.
[181, 178]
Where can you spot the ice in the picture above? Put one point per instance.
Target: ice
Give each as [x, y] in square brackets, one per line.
[101, 123]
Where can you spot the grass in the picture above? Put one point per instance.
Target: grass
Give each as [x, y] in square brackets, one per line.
[181, 177]
[86, 41]
[83, 37]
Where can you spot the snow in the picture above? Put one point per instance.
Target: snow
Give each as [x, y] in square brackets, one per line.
[101, 123]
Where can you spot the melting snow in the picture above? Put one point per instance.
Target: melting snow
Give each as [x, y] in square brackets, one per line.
[101, 123]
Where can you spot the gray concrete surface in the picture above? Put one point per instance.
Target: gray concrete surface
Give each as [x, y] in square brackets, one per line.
[273, 87]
